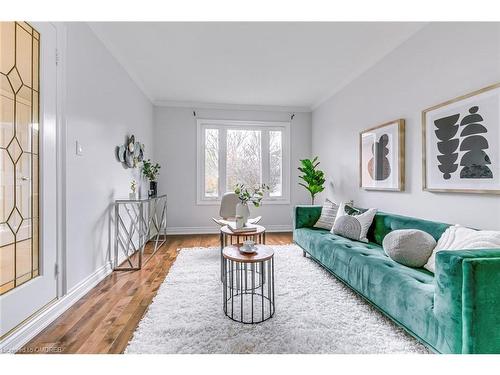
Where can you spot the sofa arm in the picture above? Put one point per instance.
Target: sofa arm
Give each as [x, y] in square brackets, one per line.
[467, 298]
[306, 216]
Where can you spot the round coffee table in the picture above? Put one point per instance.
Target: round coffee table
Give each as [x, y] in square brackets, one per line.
[248, 284]
[228, 237]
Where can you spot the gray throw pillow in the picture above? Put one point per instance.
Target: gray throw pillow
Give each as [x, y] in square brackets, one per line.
[328, 214]
[353, 224]
[410, 247]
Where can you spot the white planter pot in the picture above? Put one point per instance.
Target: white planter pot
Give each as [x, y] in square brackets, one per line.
[243, 211]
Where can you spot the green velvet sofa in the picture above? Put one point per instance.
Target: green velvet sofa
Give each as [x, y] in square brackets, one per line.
[457, 310]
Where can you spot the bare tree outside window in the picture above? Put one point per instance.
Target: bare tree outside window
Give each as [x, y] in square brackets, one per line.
[212, 163]
[276, 162]
[243, 160]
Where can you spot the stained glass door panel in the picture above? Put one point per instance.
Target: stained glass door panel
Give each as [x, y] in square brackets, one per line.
[19, 117]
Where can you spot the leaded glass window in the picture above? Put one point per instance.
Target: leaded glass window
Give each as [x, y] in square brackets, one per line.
[19, 153]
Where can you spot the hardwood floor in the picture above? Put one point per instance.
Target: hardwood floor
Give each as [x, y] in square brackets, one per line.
[104, 320]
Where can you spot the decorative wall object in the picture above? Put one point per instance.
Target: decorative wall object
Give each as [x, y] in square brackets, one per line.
[381, 157]
[461, 143]
[131, 153]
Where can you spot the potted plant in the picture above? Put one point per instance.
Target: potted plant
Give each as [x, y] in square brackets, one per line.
[313, 177]
[253, 195]
[151, 172]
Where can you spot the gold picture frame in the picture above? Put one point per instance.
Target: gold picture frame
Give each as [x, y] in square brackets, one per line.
[426, 184]
[396, 130]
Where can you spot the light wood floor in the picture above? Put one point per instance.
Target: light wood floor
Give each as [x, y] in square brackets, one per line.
[104, 320]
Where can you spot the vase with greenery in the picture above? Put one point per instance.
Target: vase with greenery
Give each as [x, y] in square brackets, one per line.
[151, 172]
[247, 195]
[313, 178]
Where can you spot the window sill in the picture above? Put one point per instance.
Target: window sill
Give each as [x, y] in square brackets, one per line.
[268, 202]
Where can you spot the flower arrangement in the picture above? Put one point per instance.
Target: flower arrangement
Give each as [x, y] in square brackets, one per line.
[253, 195]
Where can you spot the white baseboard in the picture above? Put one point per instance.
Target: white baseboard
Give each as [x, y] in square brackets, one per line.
[214, 229]
[43, 318]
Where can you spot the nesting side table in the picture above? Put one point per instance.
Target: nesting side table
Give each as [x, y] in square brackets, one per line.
[248, 284]
[228, 237]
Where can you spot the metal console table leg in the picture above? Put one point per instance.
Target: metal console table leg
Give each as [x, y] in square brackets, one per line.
[138, 222]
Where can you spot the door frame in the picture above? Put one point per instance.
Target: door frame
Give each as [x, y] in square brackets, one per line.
[61, 142]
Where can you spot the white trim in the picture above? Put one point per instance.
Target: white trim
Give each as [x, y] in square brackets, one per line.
[61, 142]
[265, 202]
[227, 106]
[44, 317]
[249, 123]
[283, 126]
[215, 229]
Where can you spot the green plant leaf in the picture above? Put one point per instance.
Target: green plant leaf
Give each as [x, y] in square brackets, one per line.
[313, 177]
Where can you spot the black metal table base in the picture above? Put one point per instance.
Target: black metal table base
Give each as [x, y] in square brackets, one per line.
[248, 290]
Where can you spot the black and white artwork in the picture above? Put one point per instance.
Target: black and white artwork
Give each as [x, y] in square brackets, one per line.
[382, 157]
[462, 143]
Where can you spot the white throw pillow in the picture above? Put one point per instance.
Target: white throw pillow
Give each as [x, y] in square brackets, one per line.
[328, 215]
[458, 237]
[353, 226]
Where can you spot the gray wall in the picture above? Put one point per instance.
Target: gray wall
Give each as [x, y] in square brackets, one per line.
[440, 62]
[175, 150]
[103, 105]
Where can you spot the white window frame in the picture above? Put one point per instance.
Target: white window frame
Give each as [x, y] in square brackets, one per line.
[202, 124]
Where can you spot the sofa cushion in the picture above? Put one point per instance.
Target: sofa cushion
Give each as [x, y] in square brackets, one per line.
[409, 247]
[328, 214]
[353, 225]
[384, 223]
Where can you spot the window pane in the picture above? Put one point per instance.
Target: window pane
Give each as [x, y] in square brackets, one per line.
[211, 163]
[243, 158]
[276, 164]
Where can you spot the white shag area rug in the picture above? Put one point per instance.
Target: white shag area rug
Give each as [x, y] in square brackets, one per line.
[315, 313]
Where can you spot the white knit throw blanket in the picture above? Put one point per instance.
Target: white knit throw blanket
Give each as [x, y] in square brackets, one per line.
[458, 237]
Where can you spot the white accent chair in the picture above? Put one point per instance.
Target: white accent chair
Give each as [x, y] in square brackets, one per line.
[228, 210]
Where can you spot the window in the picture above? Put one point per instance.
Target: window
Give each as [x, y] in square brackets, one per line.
[245, 152]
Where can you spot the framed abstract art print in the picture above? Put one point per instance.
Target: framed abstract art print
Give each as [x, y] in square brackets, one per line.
[461, 144]
[382, 157]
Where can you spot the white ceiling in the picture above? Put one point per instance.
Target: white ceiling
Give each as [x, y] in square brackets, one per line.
[277, 64]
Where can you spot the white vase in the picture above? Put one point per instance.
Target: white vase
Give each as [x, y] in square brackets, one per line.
[243, 211]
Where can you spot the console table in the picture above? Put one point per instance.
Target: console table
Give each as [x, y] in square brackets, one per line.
[137, 222]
